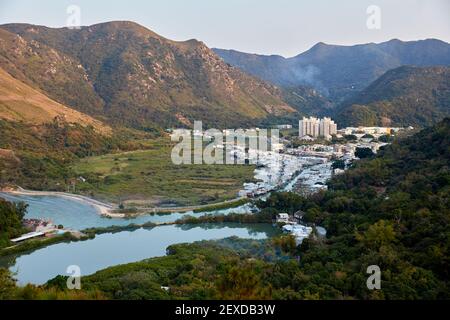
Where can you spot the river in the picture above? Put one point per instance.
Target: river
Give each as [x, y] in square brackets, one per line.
[124, 247]
[110, 249]
[77, 215]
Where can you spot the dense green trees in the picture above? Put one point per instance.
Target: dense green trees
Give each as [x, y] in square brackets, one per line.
[386, 138]
[11, 216]
[363, 153]
[392, 211]
[9, 291]
[7, 285]
[338, 164]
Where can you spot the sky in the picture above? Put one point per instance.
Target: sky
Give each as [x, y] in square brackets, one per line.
[284, 27]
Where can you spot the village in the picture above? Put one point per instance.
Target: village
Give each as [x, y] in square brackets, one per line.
[306, 169]
[323, 151]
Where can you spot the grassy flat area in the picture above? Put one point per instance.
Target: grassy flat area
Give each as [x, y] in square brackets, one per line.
[149, 178]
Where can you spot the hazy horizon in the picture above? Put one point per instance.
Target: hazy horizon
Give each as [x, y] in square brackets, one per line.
[253, 26]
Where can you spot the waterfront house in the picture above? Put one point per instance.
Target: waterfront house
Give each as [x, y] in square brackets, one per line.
[282, 218]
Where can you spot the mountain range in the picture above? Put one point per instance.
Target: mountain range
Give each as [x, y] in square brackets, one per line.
[121, 74]
[125, 74]
[339, 72]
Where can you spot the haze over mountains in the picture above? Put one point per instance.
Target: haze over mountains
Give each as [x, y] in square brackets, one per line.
[126, 75]
[340, 71]
[361, 85]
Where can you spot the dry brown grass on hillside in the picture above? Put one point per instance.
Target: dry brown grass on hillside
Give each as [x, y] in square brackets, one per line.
[20, 102]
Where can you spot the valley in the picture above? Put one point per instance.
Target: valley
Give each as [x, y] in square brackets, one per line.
[87, 117]
[80, 216]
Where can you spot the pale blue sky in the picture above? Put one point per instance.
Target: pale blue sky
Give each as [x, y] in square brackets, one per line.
[285, 27]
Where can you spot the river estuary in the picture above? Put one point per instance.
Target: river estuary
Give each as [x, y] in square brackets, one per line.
[73, 214]
[111, 249]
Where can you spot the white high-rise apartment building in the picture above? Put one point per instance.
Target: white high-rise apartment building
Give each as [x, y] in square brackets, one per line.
[315, 127]
[309, 127]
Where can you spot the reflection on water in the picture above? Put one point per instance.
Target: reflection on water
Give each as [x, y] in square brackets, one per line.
[253, 229]
[119, 248]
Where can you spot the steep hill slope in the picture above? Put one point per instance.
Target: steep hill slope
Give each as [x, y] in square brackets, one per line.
[60, 76]
[20, 102]
[406, 96]
[132, 76]
[308, 101]
[340, 71]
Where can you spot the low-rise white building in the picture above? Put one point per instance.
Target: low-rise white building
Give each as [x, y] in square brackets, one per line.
[282, 218]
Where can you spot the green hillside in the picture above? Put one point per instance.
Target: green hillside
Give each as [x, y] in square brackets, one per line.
[38, 156]
[406, 96]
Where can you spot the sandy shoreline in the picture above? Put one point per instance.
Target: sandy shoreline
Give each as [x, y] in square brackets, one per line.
[103, 209]
[106, 209]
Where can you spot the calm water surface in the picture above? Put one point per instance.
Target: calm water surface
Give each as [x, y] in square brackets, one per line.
[79, 215]
[113, 248]
[119, 248]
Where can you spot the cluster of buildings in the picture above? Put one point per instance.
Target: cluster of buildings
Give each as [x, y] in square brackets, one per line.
[314, 178]
[375, 131]
[307, 168]
[317, 162]
[310, 128]
[292, 225]
[273, 171]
